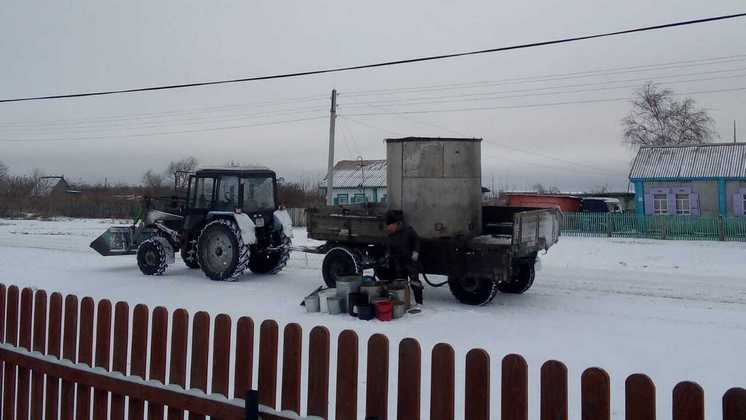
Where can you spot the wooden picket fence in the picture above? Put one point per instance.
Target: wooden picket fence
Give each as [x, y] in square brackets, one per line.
[49, 345]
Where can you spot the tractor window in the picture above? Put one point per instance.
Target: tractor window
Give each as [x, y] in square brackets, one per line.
[258, 194]
[227, 198]
[201, 194]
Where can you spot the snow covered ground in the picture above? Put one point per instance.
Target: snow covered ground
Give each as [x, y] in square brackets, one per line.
[672, 309]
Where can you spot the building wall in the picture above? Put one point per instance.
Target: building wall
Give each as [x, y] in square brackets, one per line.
[732, 188]
[707, 190]
[373, 195]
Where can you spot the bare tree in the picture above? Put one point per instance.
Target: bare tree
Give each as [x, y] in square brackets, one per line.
[178, 171]
[152, 181]
[3, 170]
[658, 119]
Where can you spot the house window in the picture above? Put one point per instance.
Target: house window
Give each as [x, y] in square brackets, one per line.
[660, 204]
[358, 198]
[342, 199]
[683, 205]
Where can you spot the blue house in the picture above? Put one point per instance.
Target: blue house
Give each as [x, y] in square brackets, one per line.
[358, 181]
[706, 180]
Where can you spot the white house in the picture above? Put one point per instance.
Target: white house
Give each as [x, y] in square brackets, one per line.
[358, 181]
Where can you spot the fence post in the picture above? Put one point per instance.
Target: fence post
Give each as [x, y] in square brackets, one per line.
[318, 373]
[608, 225]
[688, 402]
[514, 388]
[553, 392]
[595, 395]
[639, 398]
[408, 398]
[442, 387]
[734, 404]
[477, 385]
[347, 360]
[721, 228]
[377, 387]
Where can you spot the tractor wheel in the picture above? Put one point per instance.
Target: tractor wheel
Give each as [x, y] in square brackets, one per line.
[522, 278]
[221, 252]
[151, 257]
[189, 255]
[270, 262]
[473, 289]
[340, 262]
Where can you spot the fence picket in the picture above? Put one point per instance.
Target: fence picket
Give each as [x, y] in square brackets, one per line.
[177, 367]
[409, 379]
[268, 363]
[69, 352]
[3, 292]
[40, 345]
[158, 355]
[291, 367]
[553, 396]
[318, 373]
[377, 383]
[221, 350]
[11, 337]
[477, 385]
[244, 372]
[595, 395]
[200, 353]
[734, 404]
[514, 388]
[139, 356]
[119, 362]
[347, 359]
[639, 398]
[54, 348]
[688, 402]
[85, 355]
[103, 351]
[23, 390]
[442, 383]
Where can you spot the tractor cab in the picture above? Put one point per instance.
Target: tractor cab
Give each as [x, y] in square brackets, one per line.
[252, 191]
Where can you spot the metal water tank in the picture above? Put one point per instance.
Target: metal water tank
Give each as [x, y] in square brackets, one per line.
[437, 183]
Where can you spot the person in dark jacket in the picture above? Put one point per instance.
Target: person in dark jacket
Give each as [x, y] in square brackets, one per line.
[403, 251]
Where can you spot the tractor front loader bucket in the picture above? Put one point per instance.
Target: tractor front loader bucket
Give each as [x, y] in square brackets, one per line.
[117, 240]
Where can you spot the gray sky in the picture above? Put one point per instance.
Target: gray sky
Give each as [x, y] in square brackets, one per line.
[54, 47]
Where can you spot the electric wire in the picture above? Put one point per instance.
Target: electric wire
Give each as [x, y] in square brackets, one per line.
[384, 63]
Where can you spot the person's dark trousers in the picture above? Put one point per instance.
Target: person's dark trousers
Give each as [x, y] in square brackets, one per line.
[417, 287]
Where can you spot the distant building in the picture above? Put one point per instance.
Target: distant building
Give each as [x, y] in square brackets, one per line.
[707, 180]
[357, 181]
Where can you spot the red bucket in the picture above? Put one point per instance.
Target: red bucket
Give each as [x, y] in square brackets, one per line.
[384, 310]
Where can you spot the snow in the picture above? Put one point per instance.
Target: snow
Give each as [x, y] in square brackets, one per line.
[248, 230]
[287, 223]
[671, 309]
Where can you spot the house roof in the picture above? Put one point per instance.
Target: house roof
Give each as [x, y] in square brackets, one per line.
[720, 160]
[354, 173]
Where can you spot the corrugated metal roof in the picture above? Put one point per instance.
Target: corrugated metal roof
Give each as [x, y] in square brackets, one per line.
[354, 173]
[726, 160]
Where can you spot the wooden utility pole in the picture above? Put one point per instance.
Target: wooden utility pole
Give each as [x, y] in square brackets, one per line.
[330, 171]
[734, 131]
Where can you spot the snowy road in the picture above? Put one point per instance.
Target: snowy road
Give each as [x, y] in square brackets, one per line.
[673, 310]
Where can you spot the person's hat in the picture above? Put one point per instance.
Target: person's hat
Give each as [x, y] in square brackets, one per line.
[394, 216]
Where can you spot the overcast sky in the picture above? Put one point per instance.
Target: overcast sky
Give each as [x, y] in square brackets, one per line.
[531, 133]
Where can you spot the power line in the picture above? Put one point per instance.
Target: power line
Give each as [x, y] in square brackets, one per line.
[490, 95]
[553, 77]
[41, 140]
[537, 105]
[385, 63]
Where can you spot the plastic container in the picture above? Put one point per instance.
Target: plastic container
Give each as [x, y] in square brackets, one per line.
[366, 312]
[323, 296]
[384, 310]
[354, 300]
[335, 305]
[373, 291]
[400, 294]
[399, 309]
[312, 303]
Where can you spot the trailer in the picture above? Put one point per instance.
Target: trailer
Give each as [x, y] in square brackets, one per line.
[436, 184]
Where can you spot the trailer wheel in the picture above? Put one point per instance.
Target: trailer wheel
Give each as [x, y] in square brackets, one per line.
[522, 278]
[221, 252]
[473, 290]
[270, 262]
[340, 262]
[151, 257]
[189, 255]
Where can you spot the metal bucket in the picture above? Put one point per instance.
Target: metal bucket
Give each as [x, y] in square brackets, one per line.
[335, 305]
[312, 303]
[323, 296]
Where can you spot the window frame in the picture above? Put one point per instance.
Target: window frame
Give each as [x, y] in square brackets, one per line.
[662, 210]
[681, 210]
[338, 198]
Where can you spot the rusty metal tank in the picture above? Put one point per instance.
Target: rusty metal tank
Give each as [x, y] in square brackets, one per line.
[437, 183]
